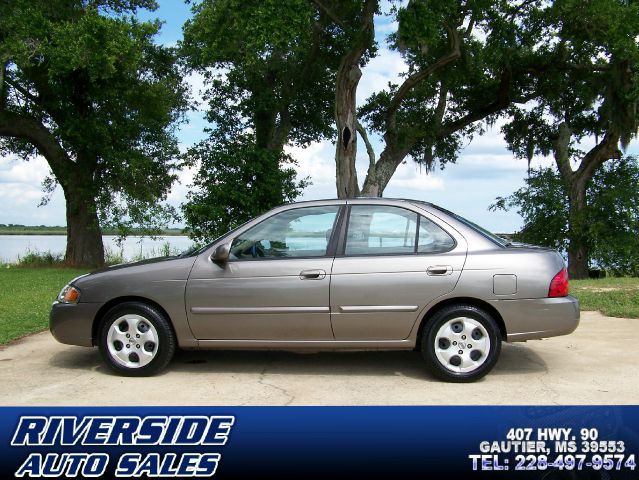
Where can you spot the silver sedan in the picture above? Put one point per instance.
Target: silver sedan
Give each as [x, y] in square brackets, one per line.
[351, 274]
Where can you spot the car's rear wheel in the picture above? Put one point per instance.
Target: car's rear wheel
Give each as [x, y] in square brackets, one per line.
[136, 339]
[461, 343]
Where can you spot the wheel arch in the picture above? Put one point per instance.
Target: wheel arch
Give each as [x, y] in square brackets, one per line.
[492, 311]
[119, 300]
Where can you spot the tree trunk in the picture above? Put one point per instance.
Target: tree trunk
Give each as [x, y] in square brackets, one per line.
[381, 173]
[576, 183]
[347, 80]
[84, 236]
[346, 119]
[577, 231]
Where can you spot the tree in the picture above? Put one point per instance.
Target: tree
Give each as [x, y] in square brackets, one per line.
[355, 20]
[226, 197]
[467, 62]
[268, 67]
[588, 87]
[612, 214]
[83, 85]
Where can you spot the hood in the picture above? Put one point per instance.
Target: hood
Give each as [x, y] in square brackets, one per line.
[144, 278]
[121, 266]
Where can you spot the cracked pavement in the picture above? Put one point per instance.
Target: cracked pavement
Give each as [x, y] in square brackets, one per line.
[597, 364]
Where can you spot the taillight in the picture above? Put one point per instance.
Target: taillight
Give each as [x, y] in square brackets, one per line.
[559, 284]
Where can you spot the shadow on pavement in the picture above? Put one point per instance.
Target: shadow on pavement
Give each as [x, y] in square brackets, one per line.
[515, 359]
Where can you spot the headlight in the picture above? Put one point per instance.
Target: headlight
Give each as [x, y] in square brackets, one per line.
[69, 294]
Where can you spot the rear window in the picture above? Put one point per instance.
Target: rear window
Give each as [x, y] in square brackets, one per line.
[389, 230]
[481, 230]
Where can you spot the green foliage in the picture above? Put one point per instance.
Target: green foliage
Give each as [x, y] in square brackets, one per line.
[269, 71]
[543, 204]
[612, 214]
[587, 86]
[36, 259]
[267, 65]
[226, 195]
[587, 75]
[106, 95]
[447, 108]
[112, 257]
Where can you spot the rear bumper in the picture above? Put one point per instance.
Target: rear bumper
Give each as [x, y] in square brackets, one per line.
[530, 319]
[72, 323]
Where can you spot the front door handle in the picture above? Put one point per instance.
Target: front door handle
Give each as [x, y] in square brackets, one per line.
[439, 270]
[312, 274]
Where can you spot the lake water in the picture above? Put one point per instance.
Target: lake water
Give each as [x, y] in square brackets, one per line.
[12, 247]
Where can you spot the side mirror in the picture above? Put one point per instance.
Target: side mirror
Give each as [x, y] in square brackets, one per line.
[221, 253]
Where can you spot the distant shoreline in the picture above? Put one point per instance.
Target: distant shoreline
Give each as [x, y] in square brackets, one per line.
[33, 230]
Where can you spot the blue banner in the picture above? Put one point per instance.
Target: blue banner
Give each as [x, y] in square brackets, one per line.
[300, 442]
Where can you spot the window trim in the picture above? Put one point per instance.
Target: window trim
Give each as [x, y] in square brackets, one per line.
[341, 250]
[452, 237]
[328, 254]
[333, 242]
[487, 234]
[419, 222]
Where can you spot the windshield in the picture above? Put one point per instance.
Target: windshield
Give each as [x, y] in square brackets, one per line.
[491, 236]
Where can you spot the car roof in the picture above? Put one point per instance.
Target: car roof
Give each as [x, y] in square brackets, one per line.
[373, 199]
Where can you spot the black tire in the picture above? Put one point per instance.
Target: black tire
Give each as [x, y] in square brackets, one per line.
[164, 347]
[490, 333]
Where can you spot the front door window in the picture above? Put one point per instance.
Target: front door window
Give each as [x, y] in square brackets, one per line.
[299, 233]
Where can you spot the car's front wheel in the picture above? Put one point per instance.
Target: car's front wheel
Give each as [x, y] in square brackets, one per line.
[461, 343]
[136, 339]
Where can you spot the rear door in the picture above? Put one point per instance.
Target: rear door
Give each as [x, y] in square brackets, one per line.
[392, 262]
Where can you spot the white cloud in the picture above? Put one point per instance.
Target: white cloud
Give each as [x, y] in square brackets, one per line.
[198, 85]
[21, 192]
[14, 170]
[411, 177]
[182, 186]
[317, 163]
[387, 66]
[196, 81]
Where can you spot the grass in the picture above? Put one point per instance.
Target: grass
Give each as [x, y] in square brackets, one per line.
[28, 287]
[48, 259]
[26, 295]
[25, 298]
[614, 297]
[112, 257]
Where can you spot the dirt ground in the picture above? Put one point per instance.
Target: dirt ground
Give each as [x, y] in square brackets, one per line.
[597, 364]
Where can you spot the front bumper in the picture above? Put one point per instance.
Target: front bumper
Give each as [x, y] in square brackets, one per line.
[72, 323]
[530, 319]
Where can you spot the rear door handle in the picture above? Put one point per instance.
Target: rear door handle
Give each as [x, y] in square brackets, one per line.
[312, 274]
[439, 270]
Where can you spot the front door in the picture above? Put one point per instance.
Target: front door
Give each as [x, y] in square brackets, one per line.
[394, 262]
[275, 285]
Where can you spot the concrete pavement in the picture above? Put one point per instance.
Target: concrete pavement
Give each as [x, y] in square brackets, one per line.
[598, 364]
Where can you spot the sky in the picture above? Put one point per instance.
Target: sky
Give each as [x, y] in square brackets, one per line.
[485, 168]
